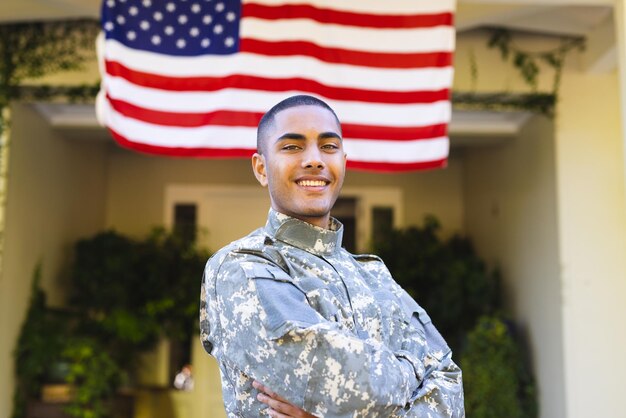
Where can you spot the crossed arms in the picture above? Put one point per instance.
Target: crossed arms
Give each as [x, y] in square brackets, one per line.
[269, 333]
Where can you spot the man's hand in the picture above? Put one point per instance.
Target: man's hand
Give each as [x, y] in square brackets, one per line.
[277, 406]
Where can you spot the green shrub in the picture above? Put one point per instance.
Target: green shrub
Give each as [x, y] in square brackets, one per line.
[446, 277]
[496, 381]
[454, 285]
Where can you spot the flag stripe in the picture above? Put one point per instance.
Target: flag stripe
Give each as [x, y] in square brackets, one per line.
[393, 167]
[251, 119]
[237, 137]
[345, 56]
[437, 39]
[385, 79]
[246, 153]
[246, 82]
[340, 17]
[401, 115]
[375, 7]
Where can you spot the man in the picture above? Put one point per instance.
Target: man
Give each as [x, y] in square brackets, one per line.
[299, 326]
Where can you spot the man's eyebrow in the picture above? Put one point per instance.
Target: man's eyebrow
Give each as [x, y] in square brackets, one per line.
[328, 135]
[292, 136]
[300, 137]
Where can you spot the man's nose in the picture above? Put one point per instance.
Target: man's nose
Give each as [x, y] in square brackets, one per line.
[312, 158]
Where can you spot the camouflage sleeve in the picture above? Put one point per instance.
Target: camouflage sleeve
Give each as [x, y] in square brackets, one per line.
[441, 392]
[270, 333]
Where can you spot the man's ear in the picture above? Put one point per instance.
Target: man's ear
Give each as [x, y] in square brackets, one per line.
[258, 167]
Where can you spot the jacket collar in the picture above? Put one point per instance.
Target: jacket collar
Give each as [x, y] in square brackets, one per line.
[303, 235]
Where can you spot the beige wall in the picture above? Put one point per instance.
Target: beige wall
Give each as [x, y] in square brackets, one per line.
[511, 215]
[592, 225]
[56, 194]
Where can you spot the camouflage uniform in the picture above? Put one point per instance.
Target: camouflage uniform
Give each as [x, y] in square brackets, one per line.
[329, 331]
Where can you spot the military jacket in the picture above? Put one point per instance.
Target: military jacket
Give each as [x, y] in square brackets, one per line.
[329, 331]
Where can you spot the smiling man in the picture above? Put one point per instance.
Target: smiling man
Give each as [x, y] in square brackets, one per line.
[299, 326]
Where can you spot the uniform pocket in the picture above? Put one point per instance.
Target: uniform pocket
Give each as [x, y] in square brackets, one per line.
[285, 305]
[437, 346]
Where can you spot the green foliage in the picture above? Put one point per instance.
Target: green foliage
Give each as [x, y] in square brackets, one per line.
[33, 49]
[94, 374]
[542, 103]
[528, 62]
[125, 294]
[131, 292]
[497, 383]
[447, 277]
[454, 285]
[39, 344]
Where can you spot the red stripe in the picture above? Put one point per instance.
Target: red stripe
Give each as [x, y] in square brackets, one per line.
[180, 151]
[396, 167]
[246, 82]
[186, 120]
[346, 18]
[251, 119]
[346, 56]
[247, 153]
[393, 133]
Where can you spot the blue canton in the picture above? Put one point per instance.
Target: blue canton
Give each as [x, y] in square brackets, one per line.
[174, 27]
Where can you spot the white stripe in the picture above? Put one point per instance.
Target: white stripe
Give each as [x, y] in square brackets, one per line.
[396, 151]
[281, 67]
[255, 101]
[372, 6]
[214, 137]
[204, 137]
[435, 39]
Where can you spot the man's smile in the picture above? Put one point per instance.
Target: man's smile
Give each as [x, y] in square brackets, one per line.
[312, 183]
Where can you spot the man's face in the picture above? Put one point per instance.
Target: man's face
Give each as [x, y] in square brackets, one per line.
[303, 163]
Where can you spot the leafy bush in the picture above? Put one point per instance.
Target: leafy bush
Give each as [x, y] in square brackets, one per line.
[454, 285]
[124, 295]
[446, 277]
[131, 292]
[497, 382]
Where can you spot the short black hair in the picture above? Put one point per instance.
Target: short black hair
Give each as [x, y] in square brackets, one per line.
[293, 101]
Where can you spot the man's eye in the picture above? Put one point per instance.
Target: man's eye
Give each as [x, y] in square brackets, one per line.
[330, 146]
[290, 147]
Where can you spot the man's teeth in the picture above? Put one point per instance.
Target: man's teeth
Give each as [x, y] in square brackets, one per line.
[312, 183]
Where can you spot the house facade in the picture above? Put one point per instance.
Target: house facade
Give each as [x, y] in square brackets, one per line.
[543, 199]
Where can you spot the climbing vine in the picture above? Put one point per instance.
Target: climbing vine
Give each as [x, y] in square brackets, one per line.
[528, 62]
[29, 50]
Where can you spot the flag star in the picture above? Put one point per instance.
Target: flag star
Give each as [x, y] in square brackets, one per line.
[156, 39]
[194, 32]
[133, 10]
[108, 26]
[121, 19]
[131, 35]
[122, 1]
[229, 42]
[169, 30]
[205, 42]
[145, 25]
[218, 29]
[158, 16]
[181, 43]
[170, 7]
[230, 16]
[207, 19]
[111, 3]
[182, 19]
[146, 3]
[219, 7]
[195, 8]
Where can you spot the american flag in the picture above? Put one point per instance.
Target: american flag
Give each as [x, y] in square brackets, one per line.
[193, 77]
